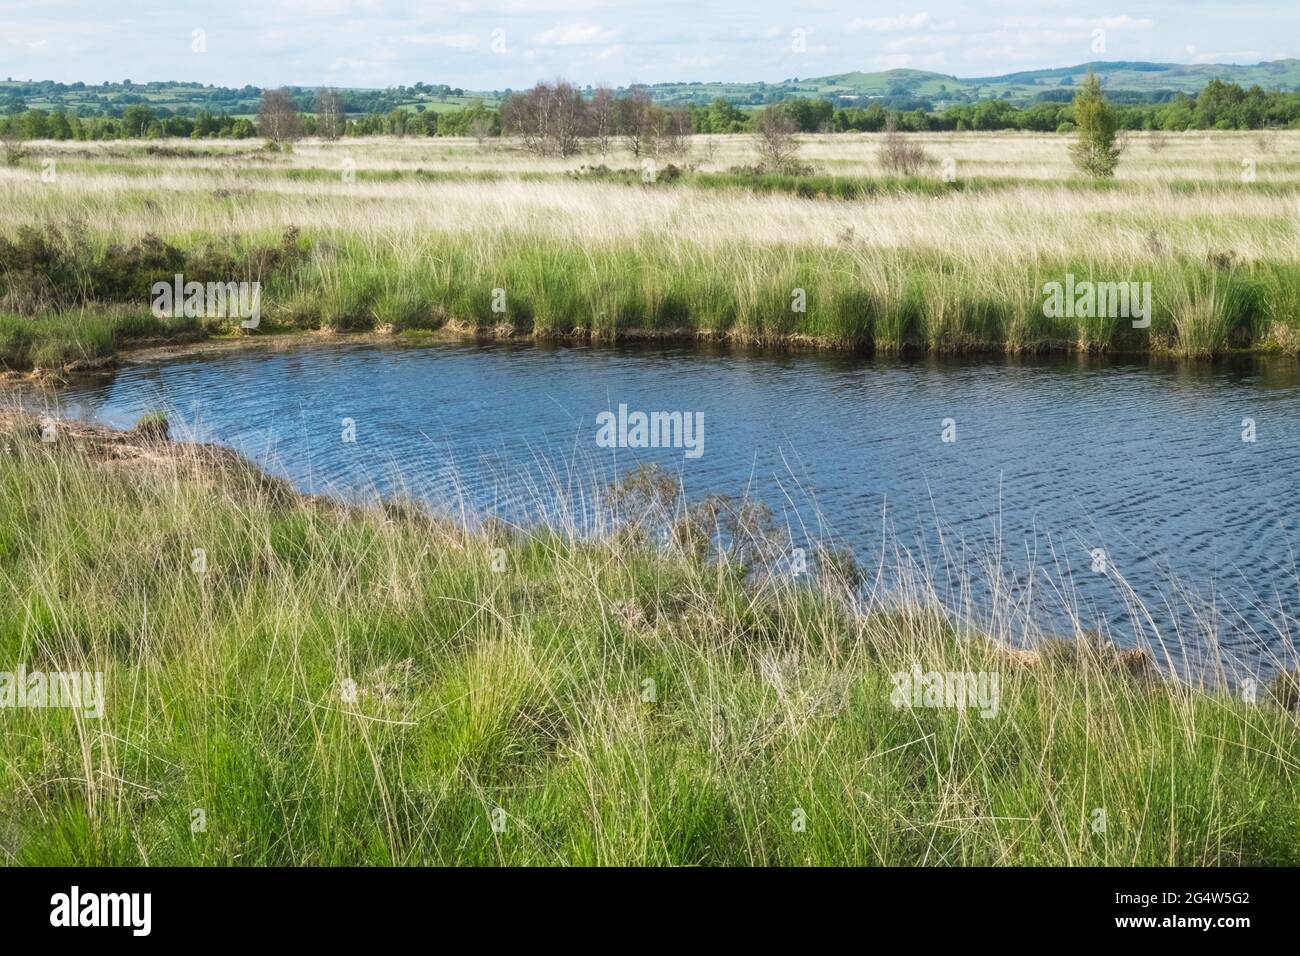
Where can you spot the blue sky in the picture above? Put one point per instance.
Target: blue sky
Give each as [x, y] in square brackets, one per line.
[511, 43]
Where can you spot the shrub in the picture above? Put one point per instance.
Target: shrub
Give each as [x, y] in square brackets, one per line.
[57, 268]
[775, 140]
[898, 155]
[15, 153]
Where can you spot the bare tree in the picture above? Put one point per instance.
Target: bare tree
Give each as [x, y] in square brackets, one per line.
[522, 116]
[631, 116]
[680, 130]
[600, 118]
[652, 124]
[569, 118]
[900, 156]
[710, 148]
[277, 117]
[480, 127]
[665, 131]
[549, 118]
[331, 122]
[774, 139]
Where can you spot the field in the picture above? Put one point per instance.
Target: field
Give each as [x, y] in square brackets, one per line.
[418, 234]
[344, 685]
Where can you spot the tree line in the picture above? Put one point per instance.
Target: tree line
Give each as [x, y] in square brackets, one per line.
[554, 117]
[279, 117]
[1221, 106]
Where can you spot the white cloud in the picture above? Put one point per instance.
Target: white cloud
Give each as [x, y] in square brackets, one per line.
[698, 60]
[923, 41]
[454, 41]
[895, 61]
[984, 54]
[328, 8]
[1236, 56]
[1124, 22]
[575, 34]
[536, 6]
[894, 24]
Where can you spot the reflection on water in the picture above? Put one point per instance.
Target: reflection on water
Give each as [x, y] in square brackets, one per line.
[1053, 459]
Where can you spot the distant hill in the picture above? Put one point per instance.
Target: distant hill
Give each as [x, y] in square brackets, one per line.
[1140, 80]
[902, 89]
[1137, 77]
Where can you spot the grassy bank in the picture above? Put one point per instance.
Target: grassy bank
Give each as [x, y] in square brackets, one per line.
[78, 298]
[340, 685]
[83, 339]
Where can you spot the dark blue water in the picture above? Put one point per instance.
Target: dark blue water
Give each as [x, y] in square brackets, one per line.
[1052, 460]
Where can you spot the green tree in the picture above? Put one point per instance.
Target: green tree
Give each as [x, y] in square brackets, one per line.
[725, 117]
[136, 119]
[59, 128]
[397, 121]
[1097, 149]
[994, 115]
[205, 124]
[1218, 105]
[36, 124]
[808, 114]
[1179, 114]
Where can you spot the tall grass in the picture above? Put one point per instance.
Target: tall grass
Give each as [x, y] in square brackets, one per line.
[424, 233]
[840, 296]
[851, 296]
[622, 702]
[79, 338]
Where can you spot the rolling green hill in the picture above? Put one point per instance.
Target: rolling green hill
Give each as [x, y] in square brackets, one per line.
[1117, 76]
[1141, 80]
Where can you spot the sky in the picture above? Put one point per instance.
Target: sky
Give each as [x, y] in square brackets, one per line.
[498, 44]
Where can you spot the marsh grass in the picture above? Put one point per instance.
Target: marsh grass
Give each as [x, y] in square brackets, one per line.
[854, 296]
[526, 690]
[425, 232]
[82, 337]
